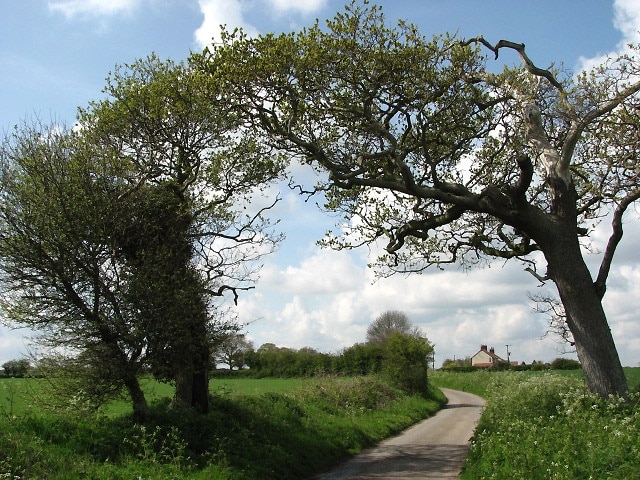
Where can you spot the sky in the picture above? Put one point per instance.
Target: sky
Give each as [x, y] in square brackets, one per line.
[56, 54]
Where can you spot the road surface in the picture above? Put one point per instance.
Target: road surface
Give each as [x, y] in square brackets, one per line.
[433, 449]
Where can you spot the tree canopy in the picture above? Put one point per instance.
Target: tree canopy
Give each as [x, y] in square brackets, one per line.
[118, 237]
[424, 145]
[389, 323]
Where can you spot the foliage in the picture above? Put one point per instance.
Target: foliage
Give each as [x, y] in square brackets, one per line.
[172, 127]
[232, 349]
[287, 435]
[272, 361]
[403, 358]
[61, 276]
[16, 368]
[389, 323]
[117, 237]
[360, 359]
[458, 363]
[565, 364]
[405, 362]
[547, 426]
[420, 143]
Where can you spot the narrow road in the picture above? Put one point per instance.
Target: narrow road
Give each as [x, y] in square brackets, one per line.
[433, 449]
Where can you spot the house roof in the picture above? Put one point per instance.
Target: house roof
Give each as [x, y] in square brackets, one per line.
[491, 353]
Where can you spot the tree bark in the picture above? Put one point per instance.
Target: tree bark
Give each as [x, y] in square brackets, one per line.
[184, 387]
[586, 318]
[192, 381]
[200, 384]
[140, 407]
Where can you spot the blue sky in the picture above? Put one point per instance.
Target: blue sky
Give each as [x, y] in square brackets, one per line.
[55, 55]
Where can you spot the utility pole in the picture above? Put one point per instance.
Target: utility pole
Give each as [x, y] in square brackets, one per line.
[508, 353]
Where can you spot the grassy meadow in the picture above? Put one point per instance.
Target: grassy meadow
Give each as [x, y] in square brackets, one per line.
[546, 426]
[256, 429]
[537, 425]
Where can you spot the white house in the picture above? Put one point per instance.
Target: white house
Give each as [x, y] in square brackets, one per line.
[486, 358]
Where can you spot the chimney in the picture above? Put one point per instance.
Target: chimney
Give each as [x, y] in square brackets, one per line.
[492, 350]
[483, 348]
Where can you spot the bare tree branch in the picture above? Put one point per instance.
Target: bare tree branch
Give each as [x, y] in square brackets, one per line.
[614, 240]
[520, 48]
[577, 127]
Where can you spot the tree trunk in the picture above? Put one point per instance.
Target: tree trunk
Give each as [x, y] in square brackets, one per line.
[140, 407]
[200, 392]
[184, 388]
[585, 317]
[192, 381]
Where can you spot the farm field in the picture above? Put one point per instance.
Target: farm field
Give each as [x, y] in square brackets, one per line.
[256, 429]
[537, 425]
[19, 396]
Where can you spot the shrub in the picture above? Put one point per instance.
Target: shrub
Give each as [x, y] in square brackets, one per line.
[405, 362]
[565, 364]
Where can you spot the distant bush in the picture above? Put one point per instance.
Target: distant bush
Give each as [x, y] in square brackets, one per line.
[16, 368]
[565, 364]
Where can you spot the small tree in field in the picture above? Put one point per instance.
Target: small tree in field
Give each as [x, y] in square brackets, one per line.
[390, 323]
[422, 145]
[232, 350]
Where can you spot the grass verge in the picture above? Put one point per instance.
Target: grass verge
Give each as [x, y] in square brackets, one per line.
[270, 435]
[545, 425]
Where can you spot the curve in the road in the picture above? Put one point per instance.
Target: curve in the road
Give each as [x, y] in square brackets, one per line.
[433, 449]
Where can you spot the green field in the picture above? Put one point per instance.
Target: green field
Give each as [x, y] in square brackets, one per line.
[536, 426]
[256, 429]
[19, 396]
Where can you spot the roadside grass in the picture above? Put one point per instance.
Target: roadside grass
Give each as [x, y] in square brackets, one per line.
[545, 425]
[287, 430]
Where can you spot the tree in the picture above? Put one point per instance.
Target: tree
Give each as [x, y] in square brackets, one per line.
[16, 368]
[232, 350]
[449, 364]
[390, 323]
[60, 201]
[187, 157]
[423, 145]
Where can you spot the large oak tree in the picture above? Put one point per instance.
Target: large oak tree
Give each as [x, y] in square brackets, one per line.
[427, 146]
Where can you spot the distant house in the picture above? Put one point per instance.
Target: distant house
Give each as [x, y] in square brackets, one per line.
[486, 358]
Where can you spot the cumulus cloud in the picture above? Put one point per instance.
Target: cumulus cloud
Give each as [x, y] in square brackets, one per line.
[92, 8]
[301, 6]
[216, 14]
[329, 298]
[233, 13]
[627, 21]
[13, 343]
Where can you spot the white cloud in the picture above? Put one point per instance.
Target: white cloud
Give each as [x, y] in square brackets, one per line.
[216, 13]
[232, 14]
[313, 277]
[13, 343]
[93, 8]
[302, 6]
[626, 20]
